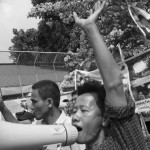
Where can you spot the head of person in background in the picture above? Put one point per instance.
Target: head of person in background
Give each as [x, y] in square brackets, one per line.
[66, 101]
[24, 105]
[74, 96]
[148, 93]
[45, 97]
[25, 117]
[65, 105]
[89, 112]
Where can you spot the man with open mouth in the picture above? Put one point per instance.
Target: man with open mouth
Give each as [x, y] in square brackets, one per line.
[104, 116]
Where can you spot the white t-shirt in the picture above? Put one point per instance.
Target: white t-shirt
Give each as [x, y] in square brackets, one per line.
[63, 119]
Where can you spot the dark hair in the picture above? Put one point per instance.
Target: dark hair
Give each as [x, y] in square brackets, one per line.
[66, 100]
[48, 89]
[24, 116]
[74, 92]
[95, 87]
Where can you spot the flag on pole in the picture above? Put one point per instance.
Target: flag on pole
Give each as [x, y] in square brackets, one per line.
[120, 51]
[142, 19]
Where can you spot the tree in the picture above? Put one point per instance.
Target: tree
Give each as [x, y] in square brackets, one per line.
[115, 24]
[24, 41]
[57, 32]
[53, 37]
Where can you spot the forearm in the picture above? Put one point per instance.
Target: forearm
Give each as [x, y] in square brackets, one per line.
[105, 61]
[108, 68]
[8, 116]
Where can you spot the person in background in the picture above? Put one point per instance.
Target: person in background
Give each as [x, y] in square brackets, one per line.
[26, 116]
[45, 97]
[74, 96]
[104, 116]
[71, 103]
[66, 107]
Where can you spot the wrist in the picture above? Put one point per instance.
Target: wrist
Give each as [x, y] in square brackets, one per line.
[88, 27]
[3, 107]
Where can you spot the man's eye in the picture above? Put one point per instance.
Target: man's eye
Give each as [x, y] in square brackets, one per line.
[74, 110]
[84, 110]
[33, 102]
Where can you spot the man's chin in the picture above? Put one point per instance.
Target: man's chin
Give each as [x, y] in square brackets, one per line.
[80, 140]
[38, 117]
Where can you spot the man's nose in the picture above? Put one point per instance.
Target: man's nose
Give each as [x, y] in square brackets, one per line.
[32, 107]
[75, 118]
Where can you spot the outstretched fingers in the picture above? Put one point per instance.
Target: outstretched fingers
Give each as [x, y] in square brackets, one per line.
[99, 6]
[94, 13]
[75, 16]
[96, 6]
[91, 12]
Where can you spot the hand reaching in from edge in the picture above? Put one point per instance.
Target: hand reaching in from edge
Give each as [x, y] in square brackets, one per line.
[93, 16]
[2, 105]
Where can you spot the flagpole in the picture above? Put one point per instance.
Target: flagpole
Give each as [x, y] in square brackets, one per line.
[134, 19]
[127, 2]
[126, 67]
[75, 79]
[120, 51]
[144, 128]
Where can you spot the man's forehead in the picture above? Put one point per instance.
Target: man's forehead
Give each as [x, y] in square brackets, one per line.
[86, 99]
[34, 93]
[75, 95]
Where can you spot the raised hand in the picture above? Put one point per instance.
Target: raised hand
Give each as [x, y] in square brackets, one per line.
[93, 15]
[2, 105]
[8, 116]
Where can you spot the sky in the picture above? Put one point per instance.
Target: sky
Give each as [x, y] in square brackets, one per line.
[13, 14]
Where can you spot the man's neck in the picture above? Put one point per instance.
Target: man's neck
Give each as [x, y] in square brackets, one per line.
[95, 145]
[52, 117]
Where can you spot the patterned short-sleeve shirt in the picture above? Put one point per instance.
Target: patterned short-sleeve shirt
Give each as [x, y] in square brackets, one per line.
[124, 129]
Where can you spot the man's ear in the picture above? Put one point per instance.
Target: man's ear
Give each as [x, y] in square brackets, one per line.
[49, 102]
[105, 121]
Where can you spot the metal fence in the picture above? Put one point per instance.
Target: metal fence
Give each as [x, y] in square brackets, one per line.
[19, 70]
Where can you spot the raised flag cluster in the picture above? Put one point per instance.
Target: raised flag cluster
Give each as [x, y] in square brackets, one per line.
[142, 20]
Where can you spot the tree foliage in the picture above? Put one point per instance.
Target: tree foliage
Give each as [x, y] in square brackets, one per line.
[53, 37]
[115, 24]
[57, 31]
[54, 34]
[24, 41]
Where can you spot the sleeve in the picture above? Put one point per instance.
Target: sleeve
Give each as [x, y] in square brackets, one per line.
[77, 146]
[121, 112]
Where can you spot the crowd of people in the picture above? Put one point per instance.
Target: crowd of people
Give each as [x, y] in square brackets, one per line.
[102, 113]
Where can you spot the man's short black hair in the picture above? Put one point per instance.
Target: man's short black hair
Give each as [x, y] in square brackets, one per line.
[75, 92]
[24, 116]
[93, 86]
[48, 89]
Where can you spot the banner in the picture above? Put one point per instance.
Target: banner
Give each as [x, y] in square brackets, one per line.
[142, 19]
[139, 72]
[142, 106]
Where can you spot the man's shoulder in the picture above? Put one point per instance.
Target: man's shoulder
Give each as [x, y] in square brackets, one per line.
[67, 120]
[63, 119]
[110, 143]
[122, 111]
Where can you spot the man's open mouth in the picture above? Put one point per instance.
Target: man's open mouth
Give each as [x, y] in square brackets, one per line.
[79, 129]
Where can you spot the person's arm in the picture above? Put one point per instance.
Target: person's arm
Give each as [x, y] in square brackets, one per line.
[105, 61]
[25, 122]
[8, 116]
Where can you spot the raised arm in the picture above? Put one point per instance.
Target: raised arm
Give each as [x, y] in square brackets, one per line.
[8, 116]
[105, 61]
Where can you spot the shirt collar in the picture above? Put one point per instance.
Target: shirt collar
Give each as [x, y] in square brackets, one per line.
[61, 118]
